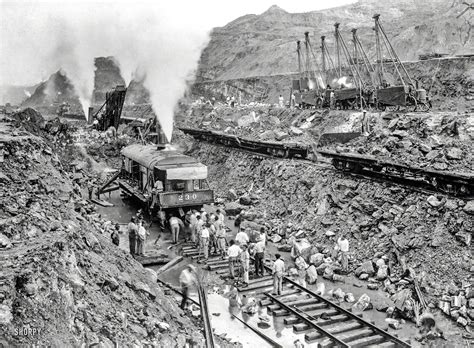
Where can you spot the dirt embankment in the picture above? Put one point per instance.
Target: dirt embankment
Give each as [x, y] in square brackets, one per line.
[62, 281]
[433, 233]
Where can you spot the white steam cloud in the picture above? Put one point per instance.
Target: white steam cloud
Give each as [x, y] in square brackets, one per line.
[149, 40]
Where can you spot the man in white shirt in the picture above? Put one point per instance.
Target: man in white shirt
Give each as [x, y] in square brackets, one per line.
[259, 250]
[233, 252]
[278, 271]
[242, 237]
[204, 241]
[343, 246]
[175, 224]
[221, 216]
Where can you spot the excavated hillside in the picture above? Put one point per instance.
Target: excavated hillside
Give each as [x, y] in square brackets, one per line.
[62, 281]
[262, 45]
[429, 234]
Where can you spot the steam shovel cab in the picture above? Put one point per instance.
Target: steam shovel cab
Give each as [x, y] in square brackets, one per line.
[164, 179]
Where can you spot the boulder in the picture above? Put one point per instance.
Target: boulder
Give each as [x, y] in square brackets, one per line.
[454, 153]
[5, 242]
[232, 195]
[316, 259]
[295, 131]
[300, 263]
[233, 208]
[279, 135]
[362, 304]
[338, 294]
[366, 267]
[434, 202]
[5, 314]
[469, 207]
[276, 238]
[349, 297]
[382, 273]
[311, 274]
[400, 133]
[245, 200]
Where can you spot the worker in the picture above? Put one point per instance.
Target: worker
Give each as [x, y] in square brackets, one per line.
[343, 247]
[187, 279]
[259, 251]
[221, 241]
[203, 215]
[204, 241]
[141, 238]
[115, 235]
[365, 123]
[245, 264]
[193, 224]
[263, 235]
[293, 100]
[233, 253]
[278, 271]
[232, 101]
[132, 230]
[90, 188]
[221, 216]
[242, 237]
[161, 223]
[281, 101]
[175, 224]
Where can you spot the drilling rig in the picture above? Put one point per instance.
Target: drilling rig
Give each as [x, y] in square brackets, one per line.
[406, 91]
[113, 109]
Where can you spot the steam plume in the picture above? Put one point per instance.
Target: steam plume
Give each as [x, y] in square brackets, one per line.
[148, 40]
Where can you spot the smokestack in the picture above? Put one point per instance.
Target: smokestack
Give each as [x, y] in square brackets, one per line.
[90, 115]
[161, 140]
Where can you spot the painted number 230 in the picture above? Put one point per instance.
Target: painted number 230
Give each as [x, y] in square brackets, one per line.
[187, 197]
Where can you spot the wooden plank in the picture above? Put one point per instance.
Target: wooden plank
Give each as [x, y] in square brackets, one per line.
[170, 264]
[152, 260]
[101, 202]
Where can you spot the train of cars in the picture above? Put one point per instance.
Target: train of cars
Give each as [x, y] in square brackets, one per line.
[456, 184]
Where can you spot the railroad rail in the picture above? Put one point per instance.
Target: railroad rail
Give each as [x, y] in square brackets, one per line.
[451, 183]
[320, 320]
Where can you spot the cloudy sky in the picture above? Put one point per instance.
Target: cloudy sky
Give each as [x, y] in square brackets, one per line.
[35, 35]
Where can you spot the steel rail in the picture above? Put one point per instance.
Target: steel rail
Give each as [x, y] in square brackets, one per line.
[304, 318]
[384, 333]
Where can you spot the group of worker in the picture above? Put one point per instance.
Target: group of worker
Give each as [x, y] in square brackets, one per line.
[137, 234]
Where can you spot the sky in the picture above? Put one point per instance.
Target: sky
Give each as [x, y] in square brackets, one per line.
[26, 26]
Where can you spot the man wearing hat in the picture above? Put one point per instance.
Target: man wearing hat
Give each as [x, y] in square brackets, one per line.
[132, 230]
[278, 271]
[259, 250]
[233, 253]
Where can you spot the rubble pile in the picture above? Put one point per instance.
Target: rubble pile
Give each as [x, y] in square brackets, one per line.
[61, 277]
[438, 141]
[260, 121]
[389, 228]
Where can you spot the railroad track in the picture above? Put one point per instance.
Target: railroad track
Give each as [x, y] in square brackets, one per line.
[421, 179]
[320, 320]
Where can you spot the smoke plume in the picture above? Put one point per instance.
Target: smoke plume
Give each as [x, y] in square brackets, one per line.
[149, 41]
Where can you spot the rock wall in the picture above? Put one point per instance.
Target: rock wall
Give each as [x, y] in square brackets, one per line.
[61, 277]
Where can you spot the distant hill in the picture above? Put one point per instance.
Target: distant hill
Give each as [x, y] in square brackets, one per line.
[15, 95]
[265, 44]
[53, 92]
